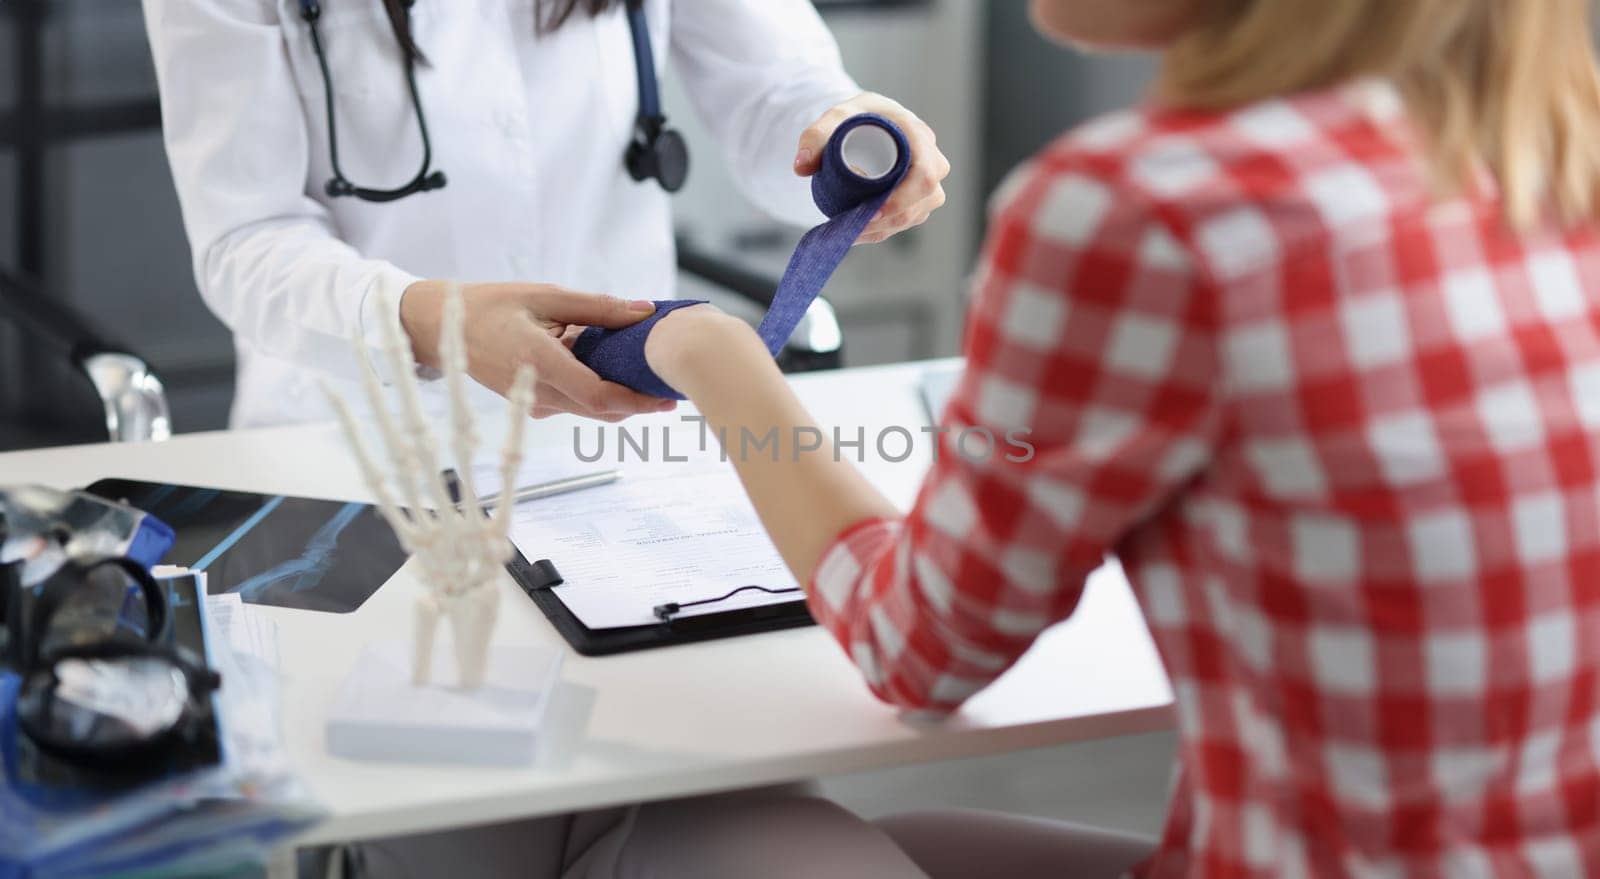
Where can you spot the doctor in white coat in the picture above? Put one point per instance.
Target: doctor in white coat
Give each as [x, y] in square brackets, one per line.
[529, 108]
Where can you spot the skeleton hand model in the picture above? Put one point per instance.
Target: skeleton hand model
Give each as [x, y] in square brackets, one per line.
[461, 549]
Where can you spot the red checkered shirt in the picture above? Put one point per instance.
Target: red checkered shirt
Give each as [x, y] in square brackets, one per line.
[1344, 437]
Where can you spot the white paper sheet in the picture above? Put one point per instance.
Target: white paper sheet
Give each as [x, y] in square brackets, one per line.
[247, 631]
[666, 533]
[245, 652]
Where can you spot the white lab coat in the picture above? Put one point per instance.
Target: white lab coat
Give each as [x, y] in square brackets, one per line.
[529, 129]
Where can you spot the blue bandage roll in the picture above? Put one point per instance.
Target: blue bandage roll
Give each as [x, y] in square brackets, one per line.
[864, 161]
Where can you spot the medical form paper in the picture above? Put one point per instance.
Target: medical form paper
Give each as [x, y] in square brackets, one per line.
[665, 533]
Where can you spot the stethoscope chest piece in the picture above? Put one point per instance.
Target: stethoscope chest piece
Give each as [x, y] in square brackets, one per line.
[657, 152]
[662, 156]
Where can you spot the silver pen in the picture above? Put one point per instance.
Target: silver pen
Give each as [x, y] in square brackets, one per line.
[543, 489]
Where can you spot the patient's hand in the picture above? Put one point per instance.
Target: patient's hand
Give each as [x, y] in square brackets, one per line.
[691, 342]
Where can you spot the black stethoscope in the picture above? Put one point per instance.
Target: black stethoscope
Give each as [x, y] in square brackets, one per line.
[657, 151]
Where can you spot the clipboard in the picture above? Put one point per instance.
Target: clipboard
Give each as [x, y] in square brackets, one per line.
[537, 579]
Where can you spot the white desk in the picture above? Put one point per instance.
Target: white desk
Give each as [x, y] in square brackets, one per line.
[662, 723]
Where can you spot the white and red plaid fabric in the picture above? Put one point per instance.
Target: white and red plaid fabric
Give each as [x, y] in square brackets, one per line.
[1345, 439]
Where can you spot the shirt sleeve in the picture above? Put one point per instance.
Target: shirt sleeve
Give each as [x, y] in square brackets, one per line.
[1087, 401]
[759, 72]
[266, 258]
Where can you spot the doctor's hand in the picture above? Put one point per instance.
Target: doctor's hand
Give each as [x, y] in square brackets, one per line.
[509, 325]
[918, 196]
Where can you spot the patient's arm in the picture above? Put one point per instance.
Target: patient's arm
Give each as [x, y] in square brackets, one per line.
[723, 366]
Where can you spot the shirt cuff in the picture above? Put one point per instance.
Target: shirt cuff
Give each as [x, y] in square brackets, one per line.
[379, 304]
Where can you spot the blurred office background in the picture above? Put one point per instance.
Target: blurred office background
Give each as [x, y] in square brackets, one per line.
[87, 205]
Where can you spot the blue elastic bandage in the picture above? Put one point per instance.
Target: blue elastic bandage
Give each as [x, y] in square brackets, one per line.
[618, 355]
[850, 200]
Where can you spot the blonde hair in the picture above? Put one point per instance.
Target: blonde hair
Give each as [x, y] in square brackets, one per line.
[1507, 87]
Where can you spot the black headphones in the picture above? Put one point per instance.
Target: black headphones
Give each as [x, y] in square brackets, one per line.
[657, 152]
[91, 734]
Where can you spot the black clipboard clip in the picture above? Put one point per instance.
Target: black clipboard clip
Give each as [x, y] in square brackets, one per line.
[666, 613]
[542, 574]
